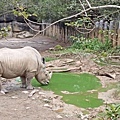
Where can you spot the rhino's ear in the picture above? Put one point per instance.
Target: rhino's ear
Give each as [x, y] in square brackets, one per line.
[43, 60]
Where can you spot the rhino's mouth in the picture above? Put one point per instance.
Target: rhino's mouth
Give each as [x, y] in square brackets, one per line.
[44, 82]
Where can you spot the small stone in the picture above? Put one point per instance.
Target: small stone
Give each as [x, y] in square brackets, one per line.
[59, 117]
[33, 92]
[25, 92]
[58, 110]
[43, 96]
[33, 98]
[14, 97]
[47, 105]
[2, 92]
[46, 100]
[37, 96]
[56, 97]
[41, 93]
[51, 49]
[27, 108]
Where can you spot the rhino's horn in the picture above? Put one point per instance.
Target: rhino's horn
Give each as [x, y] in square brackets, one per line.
[50, 74]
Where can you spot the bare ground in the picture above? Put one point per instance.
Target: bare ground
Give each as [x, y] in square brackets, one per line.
[45, 105]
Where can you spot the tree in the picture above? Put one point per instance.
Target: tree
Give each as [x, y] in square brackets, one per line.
[60, 10]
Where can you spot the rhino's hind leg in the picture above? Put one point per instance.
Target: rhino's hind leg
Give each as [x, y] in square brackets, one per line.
[23, 79]
[2, 90]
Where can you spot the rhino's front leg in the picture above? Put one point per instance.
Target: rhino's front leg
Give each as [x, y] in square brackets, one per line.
[2, 90]
[24, 84]
[29, 79]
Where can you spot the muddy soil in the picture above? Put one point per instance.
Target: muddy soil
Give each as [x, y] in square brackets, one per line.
[43, 105]
[41, 43]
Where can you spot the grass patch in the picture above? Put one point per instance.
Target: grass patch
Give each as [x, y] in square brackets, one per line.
[77, 86]
[47, 59]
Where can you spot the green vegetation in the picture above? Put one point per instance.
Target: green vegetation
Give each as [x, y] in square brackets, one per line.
[47, 59]
[113, 111]
[51, 10]
[91, 45]
[4, 31]
[95, 46]
[78, 89]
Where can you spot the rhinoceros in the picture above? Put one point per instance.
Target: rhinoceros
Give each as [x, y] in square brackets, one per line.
[25, 63]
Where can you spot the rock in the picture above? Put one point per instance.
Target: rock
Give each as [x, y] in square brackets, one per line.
[28, 34]
[59, 117]
[43, 96]
[41, 93]
[58, 110]
[34, 26]
[9, 17]
[51, 49]
[47, 105]
[19, 27]
[33, 98]
[111, 75]
[46, 100]
[24, 34]
[27, 108]
[2, 92]
[14, 97]
[25, 92]
[20, 36]
[33, 92]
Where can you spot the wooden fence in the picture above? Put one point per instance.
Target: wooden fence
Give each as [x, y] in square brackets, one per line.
[111, 30]
[60, 31]
[102, 29]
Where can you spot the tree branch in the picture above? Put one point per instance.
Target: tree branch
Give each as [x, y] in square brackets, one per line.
[75, 15]
[83, 7]
[88, 3]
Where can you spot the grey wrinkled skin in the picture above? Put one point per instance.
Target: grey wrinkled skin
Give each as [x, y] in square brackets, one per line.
[24, 62]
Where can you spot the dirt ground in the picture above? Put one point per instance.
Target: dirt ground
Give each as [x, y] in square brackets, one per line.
[19, 104]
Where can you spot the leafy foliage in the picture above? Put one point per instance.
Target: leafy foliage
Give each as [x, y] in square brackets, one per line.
[91, 44]
[81, 22]
[55, 9]
[113, 111]
[4, 31]
[51, 10]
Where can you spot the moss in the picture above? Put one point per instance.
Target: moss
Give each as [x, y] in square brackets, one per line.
[58, 47]
[77, 87]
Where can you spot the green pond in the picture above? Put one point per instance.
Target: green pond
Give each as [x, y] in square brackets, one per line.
[77, 89]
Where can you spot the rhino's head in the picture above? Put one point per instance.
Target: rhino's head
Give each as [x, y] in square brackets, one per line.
[44, 77]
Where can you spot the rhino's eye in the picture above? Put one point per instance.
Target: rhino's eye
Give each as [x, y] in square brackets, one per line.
[46, 74]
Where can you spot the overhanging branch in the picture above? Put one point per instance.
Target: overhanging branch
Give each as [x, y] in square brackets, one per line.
[75, 15]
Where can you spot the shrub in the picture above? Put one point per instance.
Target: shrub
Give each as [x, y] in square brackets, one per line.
[91, 44]
[113, 111]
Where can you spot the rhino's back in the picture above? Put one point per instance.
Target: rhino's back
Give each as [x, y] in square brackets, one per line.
[15, 62]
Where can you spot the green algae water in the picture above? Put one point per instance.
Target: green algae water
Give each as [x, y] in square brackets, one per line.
[77, 89]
